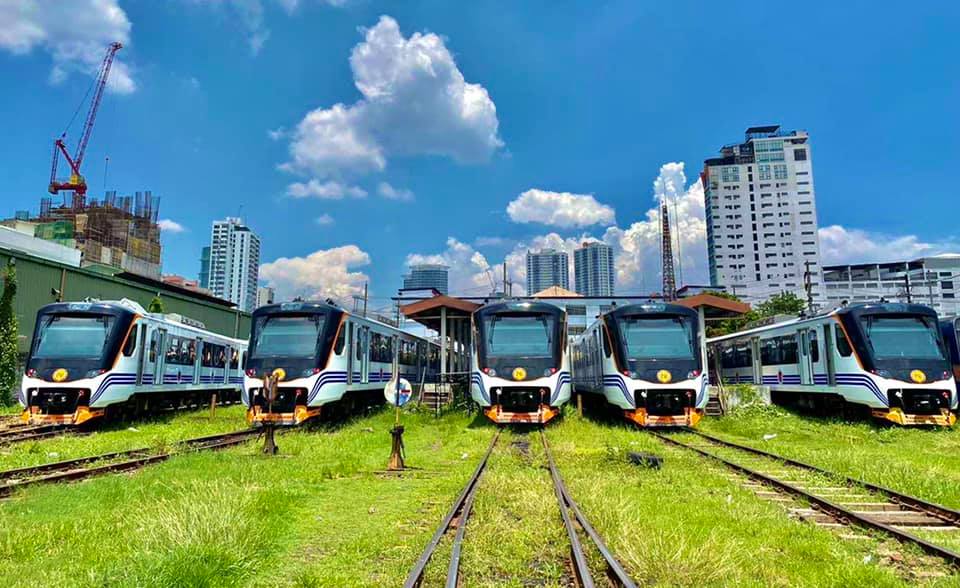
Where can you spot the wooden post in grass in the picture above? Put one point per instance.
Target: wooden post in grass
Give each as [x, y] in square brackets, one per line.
[397, 392]
[213, 405]
[579, 404]
[270, 392]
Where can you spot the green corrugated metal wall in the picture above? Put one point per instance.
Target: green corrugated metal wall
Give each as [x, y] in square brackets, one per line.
[36, 278]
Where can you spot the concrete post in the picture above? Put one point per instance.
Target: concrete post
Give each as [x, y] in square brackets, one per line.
[702, 327]
[443, 340]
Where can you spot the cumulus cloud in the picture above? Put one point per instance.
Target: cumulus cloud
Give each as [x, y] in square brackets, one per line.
[75, 34]
[415, 101]
[170, 226]
[324, 220]
[559, 209]
[839, 245]
[636, 247]
[324, 190]
[325, 273]
[391, 193]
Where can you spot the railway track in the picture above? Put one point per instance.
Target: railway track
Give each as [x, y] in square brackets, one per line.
[18, 434]
[120, 461]
[835, 500]
[458, 516]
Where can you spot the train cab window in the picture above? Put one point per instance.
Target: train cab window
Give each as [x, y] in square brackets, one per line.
[605, 338]
[341, 339]
[843, 346]
[131, 344]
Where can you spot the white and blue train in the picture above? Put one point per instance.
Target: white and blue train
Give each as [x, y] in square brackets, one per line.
[89, 360]
[885, 358]
[520, 370]
[646, 360]
[325, 356]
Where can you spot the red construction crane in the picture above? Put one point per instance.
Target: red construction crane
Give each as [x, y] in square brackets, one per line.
[77, 183]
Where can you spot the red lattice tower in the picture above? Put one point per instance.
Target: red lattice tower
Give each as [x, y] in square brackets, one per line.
[666, 249]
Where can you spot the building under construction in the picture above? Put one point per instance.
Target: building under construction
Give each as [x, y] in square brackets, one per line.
[118, 231]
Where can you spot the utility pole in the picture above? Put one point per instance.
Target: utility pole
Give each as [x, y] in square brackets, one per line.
[808, 285]
[906, 281]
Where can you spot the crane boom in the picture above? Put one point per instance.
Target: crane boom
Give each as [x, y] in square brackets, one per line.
[76, 182]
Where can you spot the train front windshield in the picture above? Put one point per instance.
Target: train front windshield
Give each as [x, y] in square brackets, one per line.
[650, 343]
[899, 338]
[526, 336]
[286, 336]
[82, 343]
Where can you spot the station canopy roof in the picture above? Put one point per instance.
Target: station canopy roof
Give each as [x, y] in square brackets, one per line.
[427, 312]
[715, 307]
[556, 292]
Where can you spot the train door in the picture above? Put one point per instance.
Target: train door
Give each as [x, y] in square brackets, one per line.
[350, 354]
[363, 353]
[159, 352]
[142, 354]
[755, 364]
[828, 354]
[197, 358]
[805, 364]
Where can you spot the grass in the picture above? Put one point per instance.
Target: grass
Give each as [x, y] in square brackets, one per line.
[923, 462]
[317, 514]
[322, 513]
[158, 432]
[659, 522]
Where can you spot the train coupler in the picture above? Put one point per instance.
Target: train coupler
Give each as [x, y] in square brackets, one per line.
[257, 417]
[542, 415]
[944, 418]
[640, 416]
[80, 416]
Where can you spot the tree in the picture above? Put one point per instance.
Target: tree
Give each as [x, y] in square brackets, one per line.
[156, 305]
[9, 356]
[783, 303]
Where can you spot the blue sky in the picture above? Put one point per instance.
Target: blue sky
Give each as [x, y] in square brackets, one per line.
[450, 112]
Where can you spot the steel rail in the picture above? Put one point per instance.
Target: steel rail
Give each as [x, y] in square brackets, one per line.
[72, 470]
[415, 577]
[567, 502]
[836, 510]
[29, 433]
[942, 512]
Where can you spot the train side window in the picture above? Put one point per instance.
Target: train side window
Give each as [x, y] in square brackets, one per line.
[154, 340]
[131, 344]
[234, 358]
[605, 337]
[814, 347]
[359, 346]
[341, 339]
[843, 346]
[173, 350]
[788, 350]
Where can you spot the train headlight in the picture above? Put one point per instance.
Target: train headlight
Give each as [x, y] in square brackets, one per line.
[490, 372]
[549, 372]
[93, 373]
[693, 374]
[310, 372]
[883, 373]
[60, 375]
[918, 376]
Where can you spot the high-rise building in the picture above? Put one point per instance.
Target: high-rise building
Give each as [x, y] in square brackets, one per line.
[761, 215]
[427, 275]
[547, 268]
[204, 280]
[593, 269]
[265, 296]
[934, 281]
[234, 262]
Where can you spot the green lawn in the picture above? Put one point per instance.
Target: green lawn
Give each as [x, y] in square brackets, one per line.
[923, 462]
[322, 513]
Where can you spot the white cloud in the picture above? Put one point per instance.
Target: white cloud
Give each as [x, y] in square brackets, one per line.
[636, 247]
[326, 190]
[559, 209]
[492, 241]
[839, 245]
[391, 193]
[75, 34]
[415, 102]
[325, 273]
[324, 220]
[170, 226]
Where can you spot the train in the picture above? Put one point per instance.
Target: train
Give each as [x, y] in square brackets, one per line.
[520, 367]
[646, 361]
[886, 359]
[95, 359]
[325, 356]
[950, 329]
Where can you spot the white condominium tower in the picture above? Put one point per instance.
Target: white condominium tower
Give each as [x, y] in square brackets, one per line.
[546, 268]
[761, 215]
[593, 269]
[234, 263]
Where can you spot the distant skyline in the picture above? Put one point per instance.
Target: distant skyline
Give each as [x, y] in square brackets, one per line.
[357, 137]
